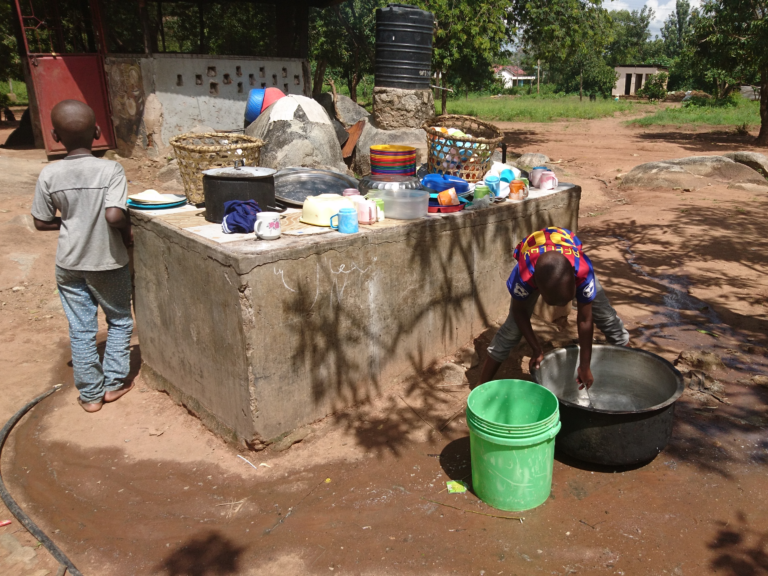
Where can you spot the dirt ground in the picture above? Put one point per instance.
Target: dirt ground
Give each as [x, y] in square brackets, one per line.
[143, 488]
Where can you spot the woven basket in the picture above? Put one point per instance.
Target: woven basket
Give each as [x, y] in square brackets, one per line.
[466, 157]
[198, 152]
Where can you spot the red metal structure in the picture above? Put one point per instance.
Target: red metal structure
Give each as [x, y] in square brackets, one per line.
[57, 75]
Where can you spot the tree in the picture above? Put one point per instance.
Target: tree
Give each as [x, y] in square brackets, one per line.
[342, 40]
[732, 41]
[571, 35]
[469, 37]
[10, 65]
[676, 29]
[631, 33]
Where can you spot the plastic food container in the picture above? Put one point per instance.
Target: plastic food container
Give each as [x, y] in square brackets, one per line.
[317, 210]
[403, 204]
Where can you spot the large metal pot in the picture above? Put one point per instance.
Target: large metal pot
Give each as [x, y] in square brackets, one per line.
[221, 185]
[626, 418]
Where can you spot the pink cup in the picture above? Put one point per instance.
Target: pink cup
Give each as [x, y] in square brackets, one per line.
[351, 192]
[548, 181]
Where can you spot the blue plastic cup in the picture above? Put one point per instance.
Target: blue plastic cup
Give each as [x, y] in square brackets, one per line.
[507, 175]
[493, 184]
[347, 221]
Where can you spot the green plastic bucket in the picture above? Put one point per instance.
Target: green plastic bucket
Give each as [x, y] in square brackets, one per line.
[512, 429]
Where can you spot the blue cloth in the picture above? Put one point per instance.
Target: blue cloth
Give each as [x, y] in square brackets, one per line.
[239, 216]
[82, 292]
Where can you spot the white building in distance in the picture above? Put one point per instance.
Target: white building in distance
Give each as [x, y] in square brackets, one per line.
[632, 78]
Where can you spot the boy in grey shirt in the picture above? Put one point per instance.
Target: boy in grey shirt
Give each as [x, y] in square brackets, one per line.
[92, 256]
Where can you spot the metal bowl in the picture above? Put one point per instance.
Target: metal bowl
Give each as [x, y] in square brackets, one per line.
[386, 182]
[626, 418]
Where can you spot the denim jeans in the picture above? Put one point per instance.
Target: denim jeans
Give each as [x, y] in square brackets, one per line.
[603, 316]
[81, 294]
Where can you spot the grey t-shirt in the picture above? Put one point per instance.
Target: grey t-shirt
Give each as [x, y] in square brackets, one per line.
[82, 188]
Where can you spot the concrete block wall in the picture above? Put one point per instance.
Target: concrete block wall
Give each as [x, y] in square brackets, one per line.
[188, 90]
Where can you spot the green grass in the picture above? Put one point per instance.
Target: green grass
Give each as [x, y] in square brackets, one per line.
[19, 88]
[530, 109]
[744, 112]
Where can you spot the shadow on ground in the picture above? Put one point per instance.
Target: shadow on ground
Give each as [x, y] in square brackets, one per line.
[210, 554]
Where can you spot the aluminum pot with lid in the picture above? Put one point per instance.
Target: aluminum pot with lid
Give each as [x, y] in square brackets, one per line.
[221, 185]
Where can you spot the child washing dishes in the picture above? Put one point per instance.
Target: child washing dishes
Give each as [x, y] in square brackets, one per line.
[92, 257]
[551, 263]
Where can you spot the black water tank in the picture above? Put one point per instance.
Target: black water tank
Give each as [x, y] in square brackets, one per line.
[403, 47]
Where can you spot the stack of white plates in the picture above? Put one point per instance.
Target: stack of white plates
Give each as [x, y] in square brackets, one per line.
[154, 200]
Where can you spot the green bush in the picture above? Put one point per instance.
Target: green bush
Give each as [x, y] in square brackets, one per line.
[655, 87]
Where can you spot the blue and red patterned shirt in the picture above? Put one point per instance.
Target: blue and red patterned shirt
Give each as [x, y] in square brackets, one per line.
[521, 282]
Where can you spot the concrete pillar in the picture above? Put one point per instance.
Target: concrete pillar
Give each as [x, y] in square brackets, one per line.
[395, 108]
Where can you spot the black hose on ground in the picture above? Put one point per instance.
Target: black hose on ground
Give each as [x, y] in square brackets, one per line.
[8, 500]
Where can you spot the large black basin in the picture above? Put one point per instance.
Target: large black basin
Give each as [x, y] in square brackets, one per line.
[627, 416]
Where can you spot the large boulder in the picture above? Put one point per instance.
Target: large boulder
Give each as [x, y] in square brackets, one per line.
[757, 162]
[692, 172]
[297, 131]
[349, 111]
[371, 135]
[530, 160]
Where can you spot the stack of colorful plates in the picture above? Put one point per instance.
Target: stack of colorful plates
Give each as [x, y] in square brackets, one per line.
[153, 200]
[392, 159]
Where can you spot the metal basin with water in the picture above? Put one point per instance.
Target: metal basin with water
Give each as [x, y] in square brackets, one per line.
[627, 416]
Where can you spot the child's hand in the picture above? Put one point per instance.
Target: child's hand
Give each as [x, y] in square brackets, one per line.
[127, 234]
[584, 377]
[535, 362]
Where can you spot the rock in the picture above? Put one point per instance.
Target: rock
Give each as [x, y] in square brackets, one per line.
[17, 289]
[284, 442]
[760, 380]
[169, 172]
[371, 135]
[453, 374]
[341, 133]
[700, 360]
[746, 187]
[349, 111]
[701, 382]
[297, 131]
[757, 162]
[691, 173]
[468, 357]
[395, 108]
[530, 160]
[173, 187]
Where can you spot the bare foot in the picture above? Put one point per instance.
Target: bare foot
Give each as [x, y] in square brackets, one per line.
[113, 395]
[90, 406]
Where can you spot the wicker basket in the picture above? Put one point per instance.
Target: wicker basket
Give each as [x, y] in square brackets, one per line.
[198, 152]
[465, 156]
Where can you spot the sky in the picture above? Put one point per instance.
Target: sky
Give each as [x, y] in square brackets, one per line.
[661, 8]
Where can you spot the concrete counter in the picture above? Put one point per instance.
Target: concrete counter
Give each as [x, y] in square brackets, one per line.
[258, 338]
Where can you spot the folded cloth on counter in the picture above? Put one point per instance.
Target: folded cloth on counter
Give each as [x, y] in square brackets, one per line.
[239, 216]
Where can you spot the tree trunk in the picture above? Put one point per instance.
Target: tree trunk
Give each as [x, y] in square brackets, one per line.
[443, 98]
[581, 84]
[762, 137]
[352, 85]
[317, 82]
